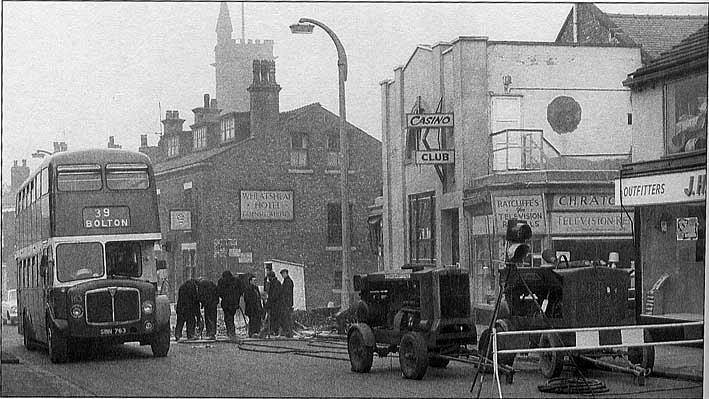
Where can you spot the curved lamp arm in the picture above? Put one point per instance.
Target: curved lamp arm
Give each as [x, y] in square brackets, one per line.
[341, 56]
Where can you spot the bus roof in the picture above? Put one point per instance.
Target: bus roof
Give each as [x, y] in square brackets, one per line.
[95, 156]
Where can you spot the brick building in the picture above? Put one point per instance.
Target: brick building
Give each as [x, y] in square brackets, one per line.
[241, 188]
[665, 186]
[654, 34]
[18, 174]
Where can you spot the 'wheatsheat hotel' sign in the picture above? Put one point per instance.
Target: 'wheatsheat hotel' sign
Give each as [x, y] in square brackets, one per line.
[665, 188]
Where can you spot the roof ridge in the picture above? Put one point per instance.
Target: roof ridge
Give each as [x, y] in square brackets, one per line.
[676, 16]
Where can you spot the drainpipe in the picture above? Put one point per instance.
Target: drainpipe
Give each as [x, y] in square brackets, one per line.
[574, 12]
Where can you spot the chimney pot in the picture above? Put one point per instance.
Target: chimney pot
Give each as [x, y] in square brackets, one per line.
[168, 114]
[213, 104]
[143, 140]
[15, 162]
[24, 162]
[206, 100]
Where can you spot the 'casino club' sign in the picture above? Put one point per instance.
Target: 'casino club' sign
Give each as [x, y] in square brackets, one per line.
[106, 217]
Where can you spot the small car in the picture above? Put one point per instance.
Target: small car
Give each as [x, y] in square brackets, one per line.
[9, 308]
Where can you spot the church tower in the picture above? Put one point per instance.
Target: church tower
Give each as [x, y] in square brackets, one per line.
[233, 61]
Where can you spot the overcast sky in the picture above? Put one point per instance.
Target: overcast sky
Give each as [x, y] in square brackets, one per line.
[81, 72]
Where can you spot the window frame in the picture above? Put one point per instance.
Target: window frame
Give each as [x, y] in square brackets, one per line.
[301, 152]
[417, 204]
[334, 230]
[669, 100]
[80, 169]
[199, 138]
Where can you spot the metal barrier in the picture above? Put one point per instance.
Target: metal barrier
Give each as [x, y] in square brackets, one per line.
[592, 338]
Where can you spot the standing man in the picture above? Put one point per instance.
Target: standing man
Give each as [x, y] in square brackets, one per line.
[187, 309]
[286, 304]
[272, 304]
[209, 299]
[229, 290]
[254, 310]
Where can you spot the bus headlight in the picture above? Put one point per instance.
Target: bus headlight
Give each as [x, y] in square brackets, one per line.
[148, 307]
[77, 311]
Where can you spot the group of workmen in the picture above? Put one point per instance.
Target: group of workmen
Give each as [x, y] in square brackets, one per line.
[269, 313]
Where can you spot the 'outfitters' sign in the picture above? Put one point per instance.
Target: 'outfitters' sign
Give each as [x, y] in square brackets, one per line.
[666, 188]
[267, 205]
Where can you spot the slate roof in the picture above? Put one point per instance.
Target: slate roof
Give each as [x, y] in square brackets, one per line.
[657, 33]
[690, 54]
[196, 157]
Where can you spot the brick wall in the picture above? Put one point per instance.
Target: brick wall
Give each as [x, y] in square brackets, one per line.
[254, 165]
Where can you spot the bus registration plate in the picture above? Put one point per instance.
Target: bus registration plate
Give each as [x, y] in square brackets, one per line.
[113, 331]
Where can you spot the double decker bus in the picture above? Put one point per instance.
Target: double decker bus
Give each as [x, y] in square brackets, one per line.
[88, 233]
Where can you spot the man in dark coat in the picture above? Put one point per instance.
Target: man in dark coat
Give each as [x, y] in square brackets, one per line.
[187, 309]
[286, 304]
[208, 298]
[273, 304]
[254, 310]
[229, 290]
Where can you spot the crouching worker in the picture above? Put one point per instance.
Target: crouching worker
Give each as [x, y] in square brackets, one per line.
[229, 289]
[254, 309]
[208, 298]
[187, 309]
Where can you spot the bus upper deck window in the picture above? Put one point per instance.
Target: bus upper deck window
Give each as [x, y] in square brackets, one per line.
[78, 177]
[127, 176]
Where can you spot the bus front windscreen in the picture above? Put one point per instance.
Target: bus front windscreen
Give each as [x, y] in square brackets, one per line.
[123, 258]
[78, 261]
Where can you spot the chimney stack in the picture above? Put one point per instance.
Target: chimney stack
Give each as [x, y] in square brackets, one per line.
[18, 174]
[111, 143]
[172, 122]
[264, 112]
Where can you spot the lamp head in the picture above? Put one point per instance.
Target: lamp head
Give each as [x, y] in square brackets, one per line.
[518, 231]
[300, 29]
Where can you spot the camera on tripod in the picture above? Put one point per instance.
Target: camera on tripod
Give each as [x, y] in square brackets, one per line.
[518, 232]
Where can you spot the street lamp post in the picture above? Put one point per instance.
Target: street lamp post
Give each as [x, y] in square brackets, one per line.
[39, 153]
[305, 25]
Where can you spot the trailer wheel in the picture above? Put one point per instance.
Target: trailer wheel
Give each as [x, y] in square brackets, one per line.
[361, 355]
[644, 356]
[57, 345]
[413, 355]
[550, 363]
[506, 359]
[160, 345]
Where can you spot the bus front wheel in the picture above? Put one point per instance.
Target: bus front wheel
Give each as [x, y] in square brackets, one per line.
[57, 345]
[161, 343]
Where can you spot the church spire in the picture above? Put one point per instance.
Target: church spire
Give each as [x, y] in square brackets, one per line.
[224, 24]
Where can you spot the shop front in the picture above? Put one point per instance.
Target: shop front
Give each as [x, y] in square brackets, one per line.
[669, 200]
[578, 221]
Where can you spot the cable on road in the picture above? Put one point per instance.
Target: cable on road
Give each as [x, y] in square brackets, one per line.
[573, 385]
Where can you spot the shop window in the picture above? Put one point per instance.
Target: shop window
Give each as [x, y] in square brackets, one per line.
[299, 150]
[686, 115]
[334, 224]
[333, 151]
[422, 234]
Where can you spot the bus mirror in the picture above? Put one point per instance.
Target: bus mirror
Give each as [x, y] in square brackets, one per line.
[43, 266]
[160, 264]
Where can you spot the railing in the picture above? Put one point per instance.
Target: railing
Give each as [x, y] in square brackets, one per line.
[527, 149]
